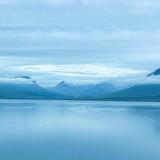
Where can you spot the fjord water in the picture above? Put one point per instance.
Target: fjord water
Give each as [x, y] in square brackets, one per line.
[77, 130]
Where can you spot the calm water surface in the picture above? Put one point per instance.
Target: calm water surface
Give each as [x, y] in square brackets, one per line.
[74, 130]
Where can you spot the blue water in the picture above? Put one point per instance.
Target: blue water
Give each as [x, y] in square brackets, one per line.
[75, 130]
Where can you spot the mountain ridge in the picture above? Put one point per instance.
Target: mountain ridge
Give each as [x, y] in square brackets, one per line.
[141, 92]
[155, 73]
[24, 87]
[83, 90]
[26, 90]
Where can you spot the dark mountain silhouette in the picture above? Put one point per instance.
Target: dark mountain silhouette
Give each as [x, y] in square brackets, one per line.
[26, 90]
[155, 73]
[144, 92]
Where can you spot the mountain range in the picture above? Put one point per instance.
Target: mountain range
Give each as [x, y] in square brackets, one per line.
[23, 87]
[84, 90]
[143, 92]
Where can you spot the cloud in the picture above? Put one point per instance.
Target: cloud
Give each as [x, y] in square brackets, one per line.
[8, 1]
[134, 6]
[82, 70]
[11, 80]
[148, 4]
[118, 31]
[61, 2]
[50, 75]
[82, 38]
[77, 73]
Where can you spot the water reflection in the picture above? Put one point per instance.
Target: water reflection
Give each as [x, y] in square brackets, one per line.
[66, 130]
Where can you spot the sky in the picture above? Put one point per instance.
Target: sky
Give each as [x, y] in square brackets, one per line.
[96, 37]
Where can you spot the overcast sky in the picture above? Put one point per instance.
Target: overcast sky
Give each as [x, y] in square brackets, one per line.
[117, 33]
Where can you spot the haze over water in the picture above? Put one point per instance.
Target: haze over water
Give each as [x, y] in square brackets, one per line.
[74, 130]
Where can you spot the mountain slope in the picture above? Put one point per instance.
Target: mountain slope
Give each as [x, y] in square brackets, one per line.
[100, 89]
[155, 73]
[145, 92]
[25, 89]
[83, 90]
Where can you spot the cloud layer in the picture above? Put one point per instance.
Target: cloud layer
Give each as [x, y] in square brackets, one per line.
[82, 73]
[80, 32]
